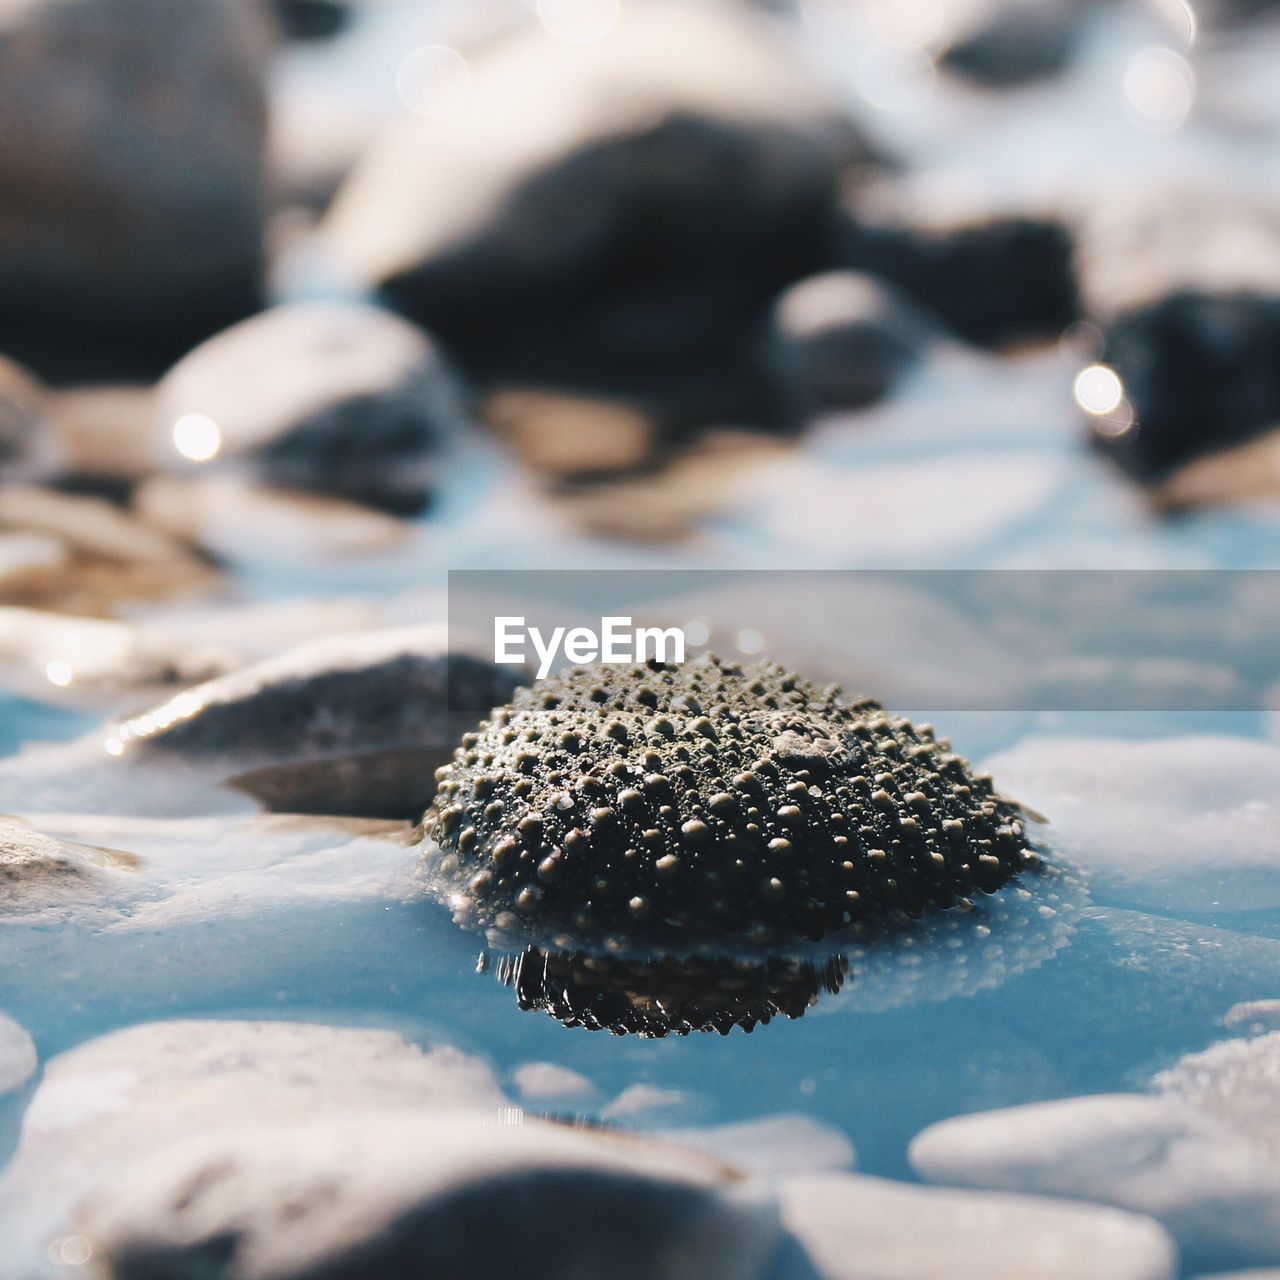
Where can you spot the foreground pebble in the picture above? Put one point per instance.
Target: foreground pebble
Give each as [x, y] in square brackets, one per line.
[257, 1150]
[337, 398]
[857, 1228]
[1217, 1192]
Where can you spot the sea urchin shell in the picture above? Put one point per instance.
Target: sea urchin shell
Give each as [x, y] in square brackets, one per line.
[708, 805]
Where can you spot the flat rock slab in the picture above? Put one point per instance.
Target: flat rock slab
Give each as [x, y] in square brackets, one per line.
[858, 1228]
[1216, 1192]
[273, 1150]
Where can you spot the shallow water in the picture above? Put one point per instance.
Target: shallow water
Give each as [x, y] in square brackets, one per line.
[977, 462]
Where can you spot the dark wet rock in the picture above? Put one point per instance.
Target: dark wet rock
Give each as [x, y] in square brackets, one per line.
[858, 1228]
[311, 19]
[560, 434]
[1217, 1192]
[994, 276]
[611, 216]
[337, 398]
[131, 198]
[666, 997]
[345, 725]
[708, 803]
[841, 340]
[1185, 285]
[18, 1059]
[284, 1150]
[1003, 44]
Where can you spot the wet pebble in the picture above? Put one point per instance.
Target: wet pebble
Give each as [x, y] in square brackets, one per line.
[351, 724]
[1236, 1082]
[104, 554]
[237, 519]
[1217, 1192]
[24, 405]
[154, 117]
[858, 1228]
[336, 398]
[995, 275]
[1185, 285]
[311, 19]
[562, 435]
[399, 1195]
[1192, 828]
[18, 1058]
[86, 661]
[772, 1146]
[286, 1150]
[605, 214]
[545, 1081]
[1003, 44]
[45, 881]
[841, 340]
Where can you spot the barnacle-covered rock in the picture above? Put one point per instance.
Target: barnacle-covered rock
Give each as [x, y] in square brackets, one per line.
[707, 805]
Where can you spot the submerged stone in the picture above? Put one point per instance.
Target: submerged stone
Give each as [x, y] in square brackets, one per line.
[709, 805]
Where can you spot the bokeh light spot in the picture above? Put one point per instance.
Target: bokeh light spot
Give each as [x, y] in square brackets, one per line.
[433, 81]
[895, 76]
[1098, 390]
[197, 437]
[1159, 89]
[579, 21]
[58, 673]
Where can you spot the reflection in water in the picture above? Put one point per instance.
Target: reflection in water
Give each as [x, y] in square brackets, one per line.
[977, 945]
[668, 996]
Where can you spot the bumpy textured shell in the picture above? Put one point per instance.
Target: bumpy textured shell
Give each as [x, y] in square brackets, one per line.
[708, 803]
